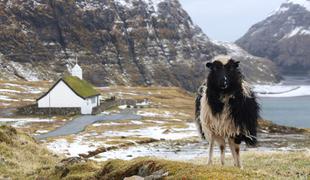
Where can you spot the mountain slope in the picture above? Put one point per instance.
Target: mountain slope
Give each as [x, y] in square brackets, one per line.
[124, 42]
[257, 69]
[284, 37]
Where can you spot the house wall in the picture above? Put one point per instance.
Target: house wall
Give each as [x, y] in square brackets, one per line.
[61, 96]
[94, 101]
[89, 104]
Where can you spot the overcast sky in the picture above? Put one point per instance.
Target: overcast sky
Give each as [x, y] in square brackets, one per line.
[228, 20]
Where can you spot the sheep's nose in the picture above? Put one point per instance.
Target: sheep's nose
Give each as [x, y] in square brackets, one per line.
[224, 83]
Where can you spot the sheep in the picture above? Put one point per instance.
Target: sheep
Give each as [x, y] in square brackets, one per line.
[226, 109]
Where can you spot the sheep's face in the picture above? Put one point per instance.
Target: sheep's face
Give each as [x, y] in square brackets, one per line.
[224, 76]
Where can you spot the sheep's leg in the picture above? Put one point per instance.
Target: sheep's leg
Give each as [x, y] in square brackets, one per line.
[232, 149]
[237, 148]
[211, 144]
[235, 151]
[221, 143]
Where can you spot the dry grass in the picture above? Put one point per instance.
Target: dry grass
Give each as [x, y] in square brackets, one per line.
[24, 158]
[165, 98]
[257, 166]
[20, 156]
[24, 92]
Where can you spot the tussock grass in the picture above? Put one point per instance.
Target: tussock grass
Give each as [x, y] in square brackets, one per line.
[20, 156]
[256, 166]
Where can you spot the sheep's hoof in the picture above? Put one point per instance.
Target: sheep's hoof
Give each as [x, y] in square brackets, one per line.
[238, 166]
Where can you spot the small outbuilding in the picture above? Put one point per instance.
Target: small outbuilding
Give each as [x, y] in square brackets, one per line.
[71, 92]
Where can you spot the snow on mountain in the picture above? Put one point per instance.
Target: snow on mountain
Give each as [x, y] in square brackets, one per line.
[301, 31]
[119, 42]
[283, 37]
[261, 69]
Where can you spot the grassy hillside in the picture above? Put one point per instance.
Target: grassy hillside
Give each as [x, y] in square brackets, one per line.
[22, 158]
[256, 166]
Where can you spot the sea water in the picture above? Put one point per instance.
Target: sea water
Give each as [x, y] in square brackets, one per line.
[287, 103]
[289, 111]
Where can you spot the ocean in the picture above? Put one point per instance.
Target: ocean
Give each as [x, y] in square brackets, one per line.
[287, 103]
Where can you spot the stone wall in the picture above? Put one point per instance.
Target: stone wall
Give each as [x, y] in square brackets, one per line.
[34, 110]
[104, 105]
[109, 103]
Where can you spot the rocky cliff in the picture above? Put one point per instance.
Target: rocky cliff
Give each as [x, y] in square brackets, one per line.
[123, 42]
[284, 37]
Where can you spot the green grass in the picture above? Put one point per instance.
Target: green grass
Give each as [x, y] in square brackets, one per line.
[81, 87]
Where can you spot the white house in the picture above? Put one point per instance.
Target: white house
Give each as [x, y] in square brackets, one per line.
[71, 92]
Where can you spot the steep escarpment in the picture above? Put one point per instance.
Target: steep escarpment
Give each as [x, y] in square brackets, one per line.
[124, 42]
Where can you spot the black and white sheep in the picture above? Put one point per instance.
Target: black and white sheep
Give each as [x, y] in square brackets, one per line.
[226, 108]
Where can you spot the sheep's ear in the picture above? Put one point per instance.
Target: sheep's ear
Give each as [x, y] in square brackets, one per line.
[237, 63]
[209, 65]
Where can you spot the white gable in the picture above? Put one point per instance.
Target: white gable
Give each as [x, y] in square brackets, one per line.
[61, 96]
[77, 71]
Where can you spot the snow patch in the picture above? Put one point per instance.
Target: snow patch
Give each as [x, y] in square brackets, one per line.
[6, 98]
[9, 91]
[189, 152]
[297, 31]
[144, 103]
[233, 49]
[42, 131]
[19, 122]
[89, 5]
[280, 10]
[25, 70]
[152, 4]
[122, 107]
[281, 90]
[125, 3]
[78, 146]
[156, 132]
[117, 124]
[166, 114]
